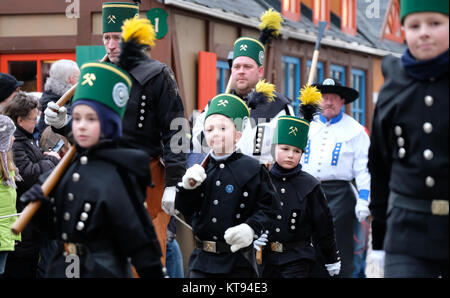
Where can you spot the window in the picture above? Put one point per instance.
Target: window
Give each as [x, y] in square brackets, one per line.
[290, 9]
[392, 28]
[318, 78]
[291, 80]
[359, 105]
[32, 69]
[348, 16]
[223, 74]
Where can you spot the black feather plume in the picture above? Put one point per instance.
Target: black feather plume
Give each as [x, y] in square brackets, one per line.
[131, 53]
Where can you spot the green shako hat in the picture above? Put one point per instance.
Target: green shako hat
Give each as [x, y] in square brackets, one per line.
[230, 106]
[414, 6]
[104, 83]
[250, 47]
[115, 13]
[291, 131]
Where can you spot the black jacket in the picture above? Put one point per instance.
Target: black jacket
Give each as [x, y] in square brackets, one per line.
[305, 216]
[410, 115]
[98, 203]
[148, 121]
[236, 190]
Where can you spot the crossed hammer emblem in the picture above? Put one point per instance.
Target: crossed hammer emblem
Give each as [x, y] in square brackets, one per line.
[243, 47]
[111, 18]
[89, 78]
[293, 130]
[222, 102]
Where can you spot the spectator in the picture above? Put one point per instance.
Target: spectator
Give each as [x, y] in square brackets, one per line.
[9, 86]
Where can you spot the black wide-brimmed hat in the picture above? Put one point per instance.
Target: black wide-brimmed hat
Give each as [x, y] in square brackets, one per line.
[332, 86]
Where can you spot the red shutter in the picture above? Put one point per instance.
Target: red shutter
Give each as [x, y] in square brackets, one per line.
[321, 11]
[207, 81]
[290, 9]
[348, 16]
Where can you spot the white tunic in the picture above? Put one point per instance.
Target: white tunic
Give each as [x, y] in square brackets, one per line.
[338, 150]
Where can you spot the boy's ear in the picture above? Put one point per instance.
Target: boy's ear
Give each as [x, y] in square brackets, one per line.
[238, 135]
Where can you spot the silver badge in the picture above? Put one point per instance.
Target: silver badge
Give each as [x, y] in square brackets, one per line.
[328, 82]
[261, 57]
[120, 94]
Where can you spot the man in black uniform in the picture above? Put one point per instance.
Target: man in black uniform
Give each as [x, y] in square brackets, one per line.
[408, 156]
[154, 103]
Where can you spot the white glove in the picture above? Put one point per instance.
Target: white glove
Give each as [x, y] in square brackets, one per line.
[239, 236]
[375, 263]
[168, 200]
[261, 241]
[362, 209]
[333, 269]
[54, 119]
[197, 173]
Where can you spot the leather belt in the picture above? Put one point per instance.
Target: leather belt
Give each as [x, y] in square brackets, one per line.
[283, 247]
[213, 246]
[435, 207]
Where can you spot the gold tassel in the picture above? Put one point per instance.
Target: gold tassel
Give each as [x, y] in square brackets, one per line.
[140, 29]
[266, 89]
[310, 95]
[272, 20]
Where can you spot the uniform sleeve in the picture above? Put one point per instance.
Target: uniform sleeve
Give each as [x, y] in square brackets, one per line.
[173, 134]
[188, 201]
[267, 204]
[380, 168]
[322, 225]
[360, 170]
[133, 230]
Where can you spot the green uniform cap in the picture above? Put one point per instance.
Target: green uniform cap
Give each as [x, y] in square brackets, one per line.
[414, 6]
[104, 83]
[230, 106]
[291, 131]
[250, 47]
[115, 13]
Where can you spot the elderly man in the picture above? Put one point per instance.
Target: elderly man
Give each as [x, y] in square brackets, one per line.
[336, 154]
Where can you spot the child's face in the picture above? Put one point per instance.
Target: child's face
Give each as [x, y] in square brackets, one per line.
[85, 126]
[221, 134]
[426, 34]
[287, 156]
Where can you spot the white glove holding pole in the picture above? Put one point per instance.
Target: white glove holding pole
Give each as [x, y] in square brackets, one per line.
[168, 200]
[196, 173]
[362, 209]
[261, 241]
[55, 119]
[239, 236]
[333, 269]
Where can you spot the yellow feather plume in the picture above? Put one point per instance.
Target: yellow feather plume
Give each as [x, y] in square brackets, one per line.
[310, 95]
[140, 29]
[272, 20]
[267, 89]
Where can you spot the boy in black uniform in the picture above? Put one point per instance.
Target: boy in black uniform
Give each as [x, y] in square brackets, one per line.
[231, 199]
[96, 211]
[408, 156]
[305, 215]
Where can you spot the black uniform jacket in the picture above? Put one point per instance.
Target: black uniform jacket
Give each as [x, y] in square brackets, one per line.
[98, 203]
[304, 216]
[409, 156]
[236, 190]
[147, 124]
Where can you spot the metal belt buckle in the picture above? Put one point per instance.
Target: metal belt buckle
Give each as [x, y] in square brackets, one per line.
[439, 207]
[209, 246]
[276, 246]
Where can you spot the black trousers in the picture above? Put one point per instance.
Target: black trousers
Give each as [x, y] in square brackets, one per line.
[237, 272]
[296, 269]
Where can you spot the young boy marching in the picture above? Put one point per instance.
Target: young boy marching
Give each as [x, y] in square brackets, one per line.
[96, 210]
[408, 156]
[305, 215]
[232, 200]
